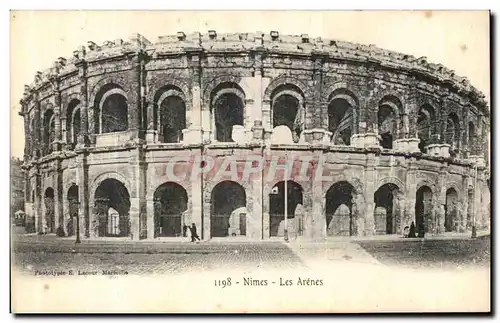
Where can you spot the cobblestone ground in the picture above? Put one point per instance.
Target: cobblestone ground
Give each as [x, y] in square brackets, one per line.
[34, 253]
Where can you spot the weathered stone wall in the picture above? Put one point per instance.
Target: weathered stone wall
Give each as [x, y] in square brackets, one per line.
[257, 67]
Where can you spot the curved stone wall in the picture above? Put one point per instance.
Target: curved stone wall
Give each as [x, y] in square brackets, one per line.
[376, 125]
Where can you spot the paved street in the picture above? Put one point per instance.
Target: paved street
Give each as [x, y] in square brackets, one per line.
[32, 252]
[49, 253]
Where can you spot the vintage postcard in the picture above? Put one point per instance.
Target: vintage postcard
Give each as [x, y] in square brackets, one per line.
[250, 162]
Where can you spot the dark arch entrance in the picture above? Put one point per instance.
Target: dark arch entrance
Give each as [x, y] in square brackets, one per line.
[423, 209]
[227, 108]
[170, 201]
[73, 209]
[277, 209]
[450, 217]
[228, 210]
[339, 217]
[386, 217]
[112, 206]
[49, 210]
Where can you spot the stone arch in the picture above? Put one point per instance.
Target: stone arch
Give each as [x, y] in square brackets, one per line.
[340, 212]
[227, 110]
[287, 109]
[453, 132]
[171, 202]
[72, 198]
[227, 199]
[424, 208]
[49, 208]
[73, 110]
[116, 119]
[389, 117]
[66, 99]
[118, 80]
[111, 209]
[355, 182]
[295, 197]
[169, 113]
[386, 198]
[451, 218]
[108, 175]
[425, 121]
[286, 80]
[391, 180]
[329, 89]
[49, 131]
[397, 97]
[215, 82]
[157, 82]
[427, 182]
[343, 106]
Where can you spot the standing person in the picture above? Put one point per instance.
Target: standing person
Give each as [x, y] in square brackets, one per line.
[194, 234]
[411, 234]
[184, 230]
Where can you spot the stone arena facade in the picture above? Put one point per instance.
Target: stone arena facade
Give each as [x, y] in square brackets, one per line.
[403, 140]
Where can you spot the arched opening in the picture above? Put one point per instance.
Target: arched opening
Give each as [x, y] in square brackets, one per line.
[227, 108]
[112, 206]
[73, 205]
[453, 133]
[73, 122]
[426, 117]
[112, 110]
[341, 117]
[471, 139]
[287, 108]
[451, 212]
[171, 114]
[170, 201]
[388, 119]
[339, 216]
[423, 209]
[49, 210]
[228, 210]
[386, 214]
[49, 129]
[277, 209]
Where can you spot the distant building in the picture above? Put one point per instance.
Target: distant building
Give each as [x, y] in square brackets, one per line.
[17, 186]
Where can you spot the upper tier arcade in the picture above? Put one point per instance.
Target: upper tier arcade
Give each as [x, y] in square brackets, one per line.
[239, 87]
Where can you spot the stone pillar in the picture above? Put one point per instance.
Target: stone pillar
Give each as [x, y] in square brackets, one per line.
[137, 195]
[86, 218]
[441, 198]
[198, 211]
[57, 144]
[38, 201]
[318, 220]
[59, 199]
[370, 186]
[150, 222]
[266, 216]
[411, 193]
[37, 144]
[151, 133]
[267, 118]
[207, 211]
[198, 117]
[83, 139]
[463, 207]
[254, 224]
[398, 211]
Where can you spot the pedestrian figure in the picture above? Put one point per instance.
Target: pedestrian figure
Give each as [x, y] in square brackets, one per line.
[194, 234]
[406, 230]
[184, 230]
[411, 234]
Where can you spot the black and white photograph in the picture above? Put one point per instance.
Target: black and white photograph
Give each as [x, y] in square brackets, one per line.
[250, 161]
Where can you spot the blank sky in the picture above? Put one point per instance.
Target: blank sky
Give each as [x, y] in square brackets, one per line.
[456, 39]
